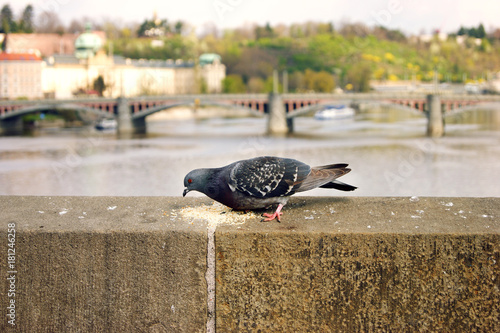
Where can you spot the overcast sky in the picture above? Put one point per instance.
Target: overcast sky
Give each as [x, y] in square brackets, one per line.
[410, 16]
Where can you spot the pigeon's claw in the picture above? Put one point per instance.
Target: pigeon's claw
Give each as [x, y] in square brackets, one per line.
[271, 217]
[277, 214]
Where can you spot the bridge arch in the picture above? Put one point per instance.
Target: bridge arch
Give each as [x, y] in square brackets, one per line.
[493, 106]
[240, 109]
[402, 107]
[57, 107]
[314, 107]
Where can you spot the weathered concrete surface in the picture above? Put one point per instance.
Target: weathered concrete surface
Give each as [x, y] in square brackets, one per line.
[125, 264]
[363, 264]
[114, 264]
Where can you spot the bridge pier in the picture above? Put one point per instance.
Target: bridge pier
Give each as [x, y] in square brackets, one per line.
[11, 126]
[127, 126]
[277, 122]
[435, 119]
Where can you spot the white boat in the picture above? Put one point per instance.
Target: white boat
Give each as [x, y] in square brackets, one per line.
[334, 112]
[106, 124]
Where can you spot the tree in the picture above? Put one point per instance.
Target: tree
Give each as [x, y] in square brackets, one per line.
[233, 84]
[296, 82]
[153, 28]
[76, 26]
[359, 77]
[178, 27]
[480, 32]
[254, 62]
[49, 22]
[99, 85]
[264, 32]
[26, 23]
[319, 81]
[256, 85]
[7, 23]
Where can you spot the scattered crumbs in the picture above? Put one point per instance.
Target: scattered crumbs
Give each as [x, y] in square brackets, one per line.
[392, 213]
[309, 217]
[332, 211]
[486, 215]
[112, 207]
[416, 217]
[461, 212]
[64, 211]
[213, 214]
[41, 211]
[84, 213]
[369, 226]
[81, 217]
[172, 308]
[414, 199]
[416, 227]
[420, 211]
[449, 204]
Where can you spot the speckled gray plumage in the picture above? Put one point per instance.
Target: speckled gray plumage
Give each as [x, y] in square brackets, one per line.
[263, 181]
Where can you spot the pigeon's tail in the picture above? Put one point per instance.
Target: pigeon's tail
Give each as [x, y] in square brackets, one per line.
[339, 186]
[325, 177]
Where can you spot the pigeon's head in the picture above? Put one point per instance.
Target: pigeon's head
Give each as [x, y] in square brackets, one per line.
[196, 180]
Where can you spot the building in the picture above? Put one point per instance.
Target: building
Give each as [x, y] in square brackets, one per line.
[212, 72]
[20, 76]
[44, 45]
[65, 76]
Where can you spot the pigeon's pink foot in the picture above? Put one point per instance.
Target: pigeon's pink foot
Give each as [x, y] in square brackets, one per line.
[277, 214]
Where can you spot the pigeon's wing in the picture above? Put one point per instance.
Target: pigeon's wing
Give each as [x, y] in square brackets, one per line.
[266, 177]
[324, 177]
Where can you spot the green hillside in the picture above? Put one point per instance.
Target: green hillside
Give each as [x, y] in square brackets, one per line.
[322, 58]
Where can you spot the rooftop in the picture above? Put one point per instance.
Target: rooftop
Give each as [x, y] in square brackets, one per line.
[19, 56]
[209, 58]
[67, 59]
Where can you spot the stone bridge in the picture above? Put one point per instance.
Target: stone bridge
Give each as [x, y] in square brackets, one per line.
[280, 108]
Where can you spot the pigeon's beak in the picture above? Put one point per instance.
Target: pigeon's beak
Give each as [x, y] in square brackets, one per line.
[185, 192]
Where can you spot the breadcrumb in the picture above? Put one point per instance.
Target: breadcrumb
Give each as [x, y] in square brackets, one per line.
[216, 214]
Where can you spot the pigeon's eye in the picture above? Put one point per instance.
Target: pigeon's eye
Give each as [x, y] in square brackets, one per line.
[190, 180]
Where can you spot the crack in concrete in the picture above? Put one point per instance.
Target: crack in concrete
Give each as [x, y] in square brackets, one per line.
[210, 278]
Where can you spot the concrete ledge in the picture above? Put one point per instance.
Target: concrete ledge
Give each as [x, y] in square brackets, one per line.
[104, 265]
[130, 264]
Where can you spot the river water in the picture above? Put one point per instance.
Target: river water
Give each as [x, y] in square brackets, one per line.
[389, 156]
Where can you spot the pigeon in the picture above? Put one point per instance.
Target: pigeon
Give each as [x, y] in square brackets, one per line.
[264, 181]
